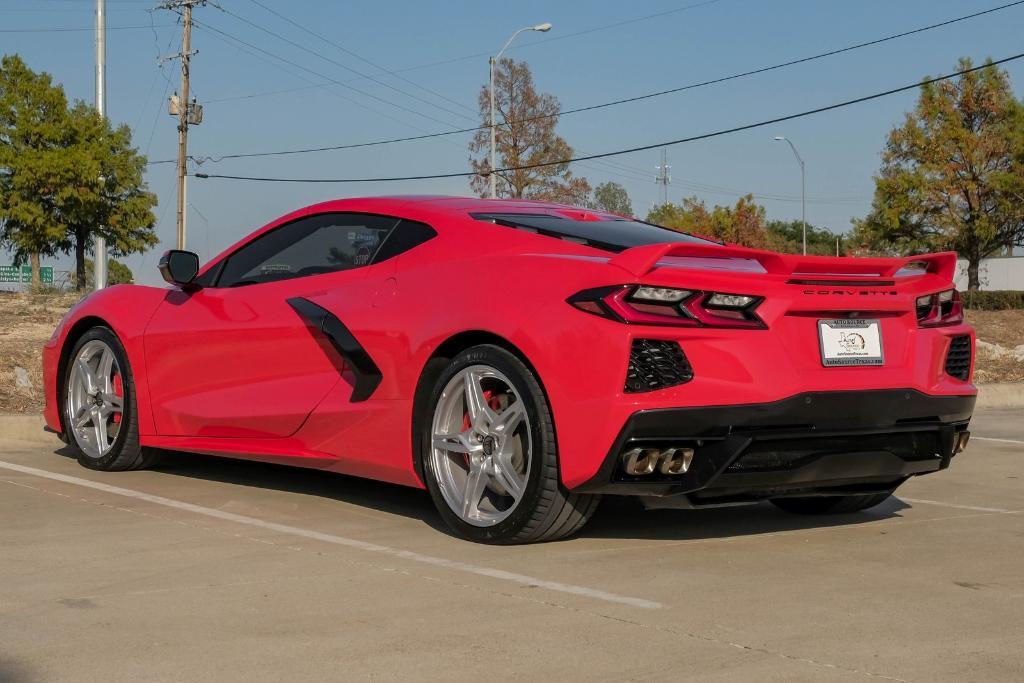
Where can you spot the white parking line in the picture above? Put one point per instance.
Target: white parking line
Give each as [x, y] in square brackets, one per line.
[500, 574]
[954, 505]
[992, 438]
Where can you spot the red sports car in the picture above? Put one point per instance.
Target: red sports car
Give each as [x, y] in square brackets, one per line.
[520, 359]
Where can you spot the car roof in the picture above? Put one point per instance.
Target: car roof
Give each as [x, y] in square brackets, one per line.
[464, 205]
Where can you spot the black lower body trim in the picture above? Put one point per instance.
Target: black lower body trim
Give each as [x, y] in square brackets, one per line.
[812, 443]
[368, 375]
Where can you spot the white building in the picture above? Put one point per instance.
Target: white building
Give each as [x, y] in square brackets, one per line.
[1001, 272]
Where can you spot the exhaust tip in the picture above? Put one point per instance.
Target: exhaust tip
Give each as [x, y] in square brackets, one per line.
[961, 442]
[668, 461]
[676, 460]
[640, 461]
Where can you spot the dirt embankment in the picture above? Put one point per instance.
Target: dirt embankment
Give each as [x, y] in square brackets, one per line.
[28, 320]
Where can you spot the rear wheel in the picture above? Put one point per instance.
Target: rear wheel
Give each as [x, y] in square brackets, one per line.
[99, 414]
[490, 456]
[830, 505]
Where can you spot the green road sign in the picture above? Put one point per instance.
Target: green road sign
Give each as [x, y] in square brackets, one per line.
[24, 274]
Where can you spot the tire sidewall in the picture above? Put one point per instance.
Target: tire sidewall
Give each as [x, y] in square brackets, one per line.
[106, 336]
[543, 449]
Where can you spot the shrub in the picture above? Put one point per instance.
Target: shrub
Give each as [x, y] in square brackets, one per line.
[998, 300]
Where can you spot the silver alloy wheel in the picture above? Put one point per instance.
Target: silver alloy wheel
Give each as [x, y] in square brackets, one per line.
[481, 445]
[94, 406]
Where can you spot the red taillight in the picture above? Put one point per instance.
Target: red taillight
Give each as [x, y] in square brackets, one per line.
[941, 308]
[692, 309]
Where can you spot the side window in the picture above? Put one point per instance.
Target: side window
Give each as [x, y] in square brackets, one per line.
[318, 244]
[406, 235]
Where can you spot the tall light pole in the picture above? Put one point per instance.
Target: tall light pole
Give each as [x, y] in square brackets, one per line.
[543, 28]
[803, 187]
[99, 266]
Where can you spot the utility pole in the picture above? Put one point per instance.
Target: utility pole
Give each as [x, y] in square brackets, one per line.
[99, 266]
[188, 113]
[664, 177]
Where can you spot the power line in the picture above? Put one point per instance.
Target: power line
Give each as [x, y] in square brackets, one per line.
[72, 30]
[640, 148]
[255, 52]
[208, 27]
[691, 86]
[347, 51]
[478, 55]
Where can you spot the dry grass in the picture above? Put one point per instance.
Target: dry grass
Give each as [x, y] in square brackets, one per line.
[1006, 330]
[27, 321]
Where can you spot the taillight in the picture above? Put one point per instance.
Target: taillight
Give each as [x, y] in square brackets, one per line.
[941, 308]
[646, 305]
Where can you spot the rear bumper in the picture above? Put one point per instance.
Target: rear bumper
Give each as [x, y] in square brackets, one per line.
[811, 443]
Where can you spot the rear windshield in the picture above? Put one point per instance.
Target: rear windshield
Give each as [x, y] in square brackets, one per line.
[610, 235]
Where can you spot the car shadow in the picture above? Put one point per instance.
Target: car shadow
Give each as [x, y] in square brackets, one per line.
[616, 517]
[626, 518]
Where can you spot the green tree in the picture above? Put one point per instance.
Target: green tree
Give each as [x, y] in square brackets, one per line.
[66, 175]
[108, 196]
[742, 224]
[952, 175]
[33, 165]
[787, 237]
[117, 273]
[525, 135]
[612, 197]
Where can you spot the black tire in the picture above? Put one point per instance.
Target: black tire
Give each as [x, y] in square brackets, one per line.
[831, 505]
[126, 453]
[546, 511]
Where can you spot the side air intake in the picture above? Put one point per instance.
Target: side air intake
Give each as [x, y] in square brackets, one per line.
[656, 364]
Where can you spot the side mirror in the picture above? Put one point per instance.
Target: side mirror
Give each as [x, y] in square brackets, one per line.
[179, 267]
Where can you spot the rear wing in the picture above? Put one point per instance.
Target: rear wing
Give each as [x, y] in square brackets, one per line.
[638, 261]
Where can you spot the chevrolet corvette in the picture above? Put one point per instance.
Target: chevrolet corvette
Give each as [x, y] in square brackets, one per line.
[520, 359]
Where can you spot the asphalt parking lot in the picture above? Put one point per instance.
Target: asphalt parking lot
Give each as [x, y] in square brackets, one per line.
[209, 569]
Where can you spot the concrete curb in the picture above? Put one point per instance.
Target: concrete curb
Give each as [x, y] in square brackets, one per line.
[26, 428]
[30, 427]
[1000, 396]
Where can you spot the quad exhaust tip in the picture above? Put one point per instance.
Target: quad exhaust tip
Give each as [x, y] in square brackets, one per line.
[667, 461]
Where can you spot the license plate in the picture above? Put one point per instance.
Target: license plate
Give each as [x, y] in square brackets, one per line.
[850, 341]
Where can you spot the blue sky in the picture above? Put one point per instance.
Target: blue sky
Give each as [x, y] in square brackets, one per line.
[578, 64]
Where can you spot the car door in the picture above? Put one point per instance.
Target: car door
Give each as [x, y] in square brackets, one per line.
[240, 357]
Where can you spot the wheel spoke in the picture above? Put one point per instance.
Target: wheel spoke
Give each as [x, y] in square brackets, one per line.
[103, 371]
[509, 419]
[85, 376]
[506, 475]
[480, 415]
[476, 482]
[83, 416]
[114, 401]
[99, 423]
[454, 443]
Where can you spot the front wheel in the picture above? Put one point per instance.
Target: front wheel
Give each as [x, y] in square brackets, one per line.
[490, 455]
[98, 407]
[830, 505]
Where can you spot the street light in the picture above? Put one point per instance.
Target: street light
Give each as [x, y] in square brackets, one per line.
[543, 28]
[803, 187]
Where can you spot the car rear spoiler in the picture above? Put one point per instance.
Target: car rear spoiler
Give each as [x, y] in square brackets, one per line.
[638, 261]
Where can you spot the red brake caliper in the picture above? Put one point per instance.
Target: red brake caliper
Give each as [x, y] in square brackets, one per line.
[119, 392]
